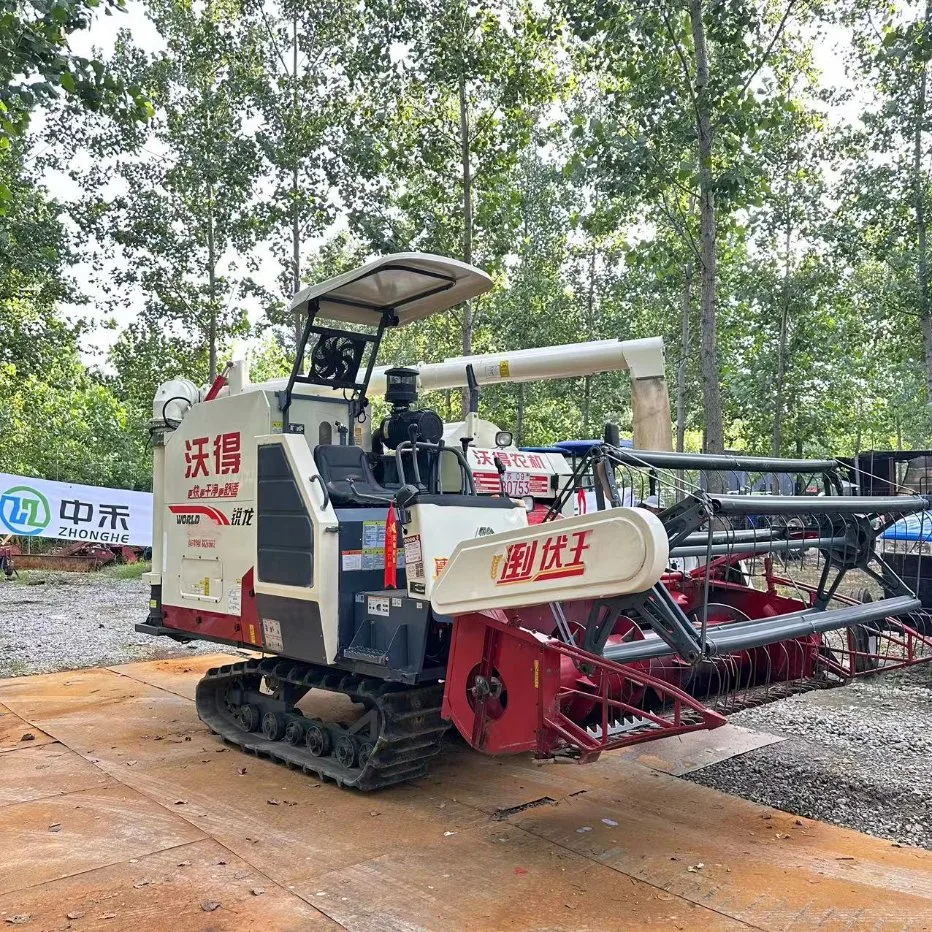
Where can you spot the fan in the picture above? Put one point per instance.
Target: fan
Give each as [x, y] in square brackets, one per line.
[336, 358]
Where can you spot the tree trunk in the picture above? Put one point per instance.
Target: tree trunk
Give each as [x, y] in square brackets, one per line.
[708, 350]
[922, 277]
[781, 347]
[295, 187]
[685, 302]
[467, 222]
[211, 285]
[519, 417]
[590, 331]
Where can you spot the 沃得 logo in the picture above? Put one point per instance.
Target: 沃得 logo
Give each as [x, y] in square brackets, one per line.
[24, 511]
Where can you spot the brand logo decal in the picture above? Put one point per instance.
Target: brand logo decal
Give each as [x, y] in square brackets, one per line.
[24, 511]
[556, 557]
[191, 514]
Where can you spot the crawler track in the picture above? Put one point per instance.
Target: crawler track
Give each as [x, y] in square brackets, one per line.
[392, 743]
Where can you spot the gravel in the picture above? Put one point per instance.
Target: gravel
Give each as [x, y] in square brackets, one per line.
[63, 621]
[858, 756]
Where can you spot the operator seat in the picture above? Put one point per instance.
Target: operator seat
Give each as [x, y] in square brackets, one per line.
[348, 476]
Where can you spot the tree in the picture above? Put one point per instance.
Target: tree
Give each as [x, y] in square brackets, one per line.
[300, 90]
[182, 226]
[438, 131]
[36, 63]
[683, 117]
[885, 192]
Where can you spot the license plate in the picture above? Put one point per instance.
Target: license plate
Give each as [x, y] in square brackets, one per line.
[517, 484]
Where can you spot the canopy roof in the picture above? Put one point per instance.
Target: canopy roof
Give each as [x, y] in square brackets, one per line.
[413, 284]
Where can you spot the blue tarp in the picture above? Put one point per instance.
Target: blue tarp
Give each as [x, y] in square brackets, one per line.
[581, 447]
[912, 527]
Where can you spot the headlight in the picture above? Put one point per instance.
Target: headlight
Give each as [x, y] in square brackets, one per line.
[504, 438]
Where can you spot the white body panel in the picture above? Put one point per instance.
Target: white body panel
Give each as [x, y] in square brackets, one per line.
[531, 470]
[608, 553]
[207, 503]
[434, 532]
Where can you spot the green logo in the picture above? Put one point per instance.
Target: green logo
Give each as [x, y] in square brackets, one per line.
[24, 511]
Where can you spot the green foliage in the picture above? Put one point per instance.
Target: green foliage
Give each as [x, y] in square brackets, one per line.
[36, 64]
[558, 147]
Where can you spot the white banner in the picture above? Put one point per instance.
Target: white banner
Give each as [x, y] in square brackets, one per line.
[39, 508]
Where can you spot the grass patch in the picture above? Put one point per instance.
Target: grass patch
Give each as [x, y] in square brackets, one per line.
[127, 570]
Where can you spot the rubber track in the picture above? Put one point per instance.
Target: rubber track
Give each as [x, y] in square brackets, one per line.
[411, 729]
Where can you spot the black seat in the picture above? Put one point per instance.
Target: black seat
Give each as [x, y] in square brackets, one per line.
[348, 475]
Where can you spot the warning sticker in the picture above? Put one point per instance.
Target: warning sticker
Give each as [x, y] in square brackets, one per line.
[373, 535]
[272, 634]
[414, 560]
[373, 559]
[378, 605]
[413, 549]
[439, 564]
[234, 597]
[355, 560]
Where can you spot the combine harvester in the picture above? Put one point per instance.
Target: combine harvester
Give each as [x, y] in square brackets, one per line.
[365, 562]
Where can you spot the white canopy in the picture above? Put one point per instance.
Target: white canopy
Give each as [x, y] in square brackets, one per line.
[413, 284]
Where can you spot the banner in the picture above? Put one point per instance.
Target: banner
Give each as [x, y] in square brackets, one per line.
[39, 508]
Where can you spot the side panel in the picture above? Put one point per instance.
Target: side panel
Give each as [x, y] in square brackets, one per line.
[362, 561]
[296, 585]
[209, 505]
[615, 552]
[434, 531]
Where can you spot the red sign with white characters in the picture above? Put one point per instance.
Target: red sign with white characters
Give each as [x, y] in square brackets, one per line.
[555, 557]
[521, 461]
